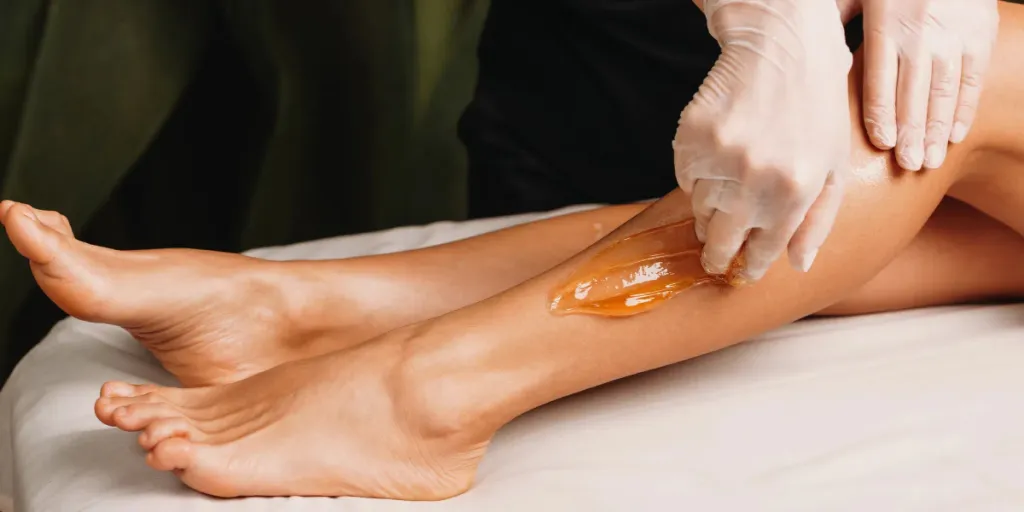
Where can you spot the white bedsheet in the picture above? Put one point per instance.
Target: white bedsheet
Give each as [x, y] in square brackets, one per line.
[913, 411]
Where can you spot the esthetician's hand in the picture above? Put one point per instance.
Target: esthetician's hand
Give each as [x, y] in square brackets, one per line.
[763, 145]
[923, 69]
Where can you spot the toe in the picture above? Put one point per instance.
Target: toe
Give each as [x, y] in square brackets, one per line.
[105, 406]
[164, 429]
[211, 470]
[35, 241]
[104, 411]
[120, 389]
[137, 416]
[55, 221]
[171, 454]
[5, 206]
[74, 275]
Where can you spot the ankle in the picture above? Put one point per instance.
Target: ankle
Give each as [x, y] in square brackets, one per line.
[306, 303]
[447, 381]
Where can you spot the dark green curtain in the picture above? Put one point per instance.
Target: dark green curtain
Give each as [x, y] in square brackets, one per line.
[227, 125]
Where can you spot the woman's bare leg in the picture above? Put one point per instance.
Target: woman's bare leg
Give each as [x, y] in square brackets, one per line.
[960, 256]
[216, 318]
[410, 414]
[208, 333]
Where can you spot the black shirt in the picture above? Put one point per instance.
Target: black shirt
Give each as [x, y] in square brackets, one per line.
[577, 101]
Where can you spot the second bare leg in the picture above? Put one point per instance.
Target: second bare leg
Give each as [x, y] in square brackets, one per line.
[410, 414]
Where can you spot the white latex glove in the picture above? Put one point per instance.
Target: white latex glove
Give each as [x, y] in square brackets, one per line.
[763, 146]
[923, 68]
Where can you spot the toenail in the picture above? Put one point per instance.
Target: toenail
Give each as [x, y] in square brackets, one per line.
[117, 390]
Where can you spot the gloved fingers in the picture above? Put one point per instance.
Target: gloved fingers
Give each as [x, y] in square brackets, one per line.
[817, 224]
[725, 234]
[687, 155]
[764, 246]
[848, 9]
[705, 198]
[682, 163]
[974, 66]
[881, 67]
[915, 77]
[687, 183]
[941, 107]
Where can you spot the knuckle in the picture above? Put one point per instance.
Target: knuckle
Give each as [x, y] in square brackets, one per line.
[944, 87]
[694, 129]
[689, 122]
[937, 126]
[875, 29]
[792, 189]
[971, 80]
[725, 135]
[965, 110]
[749, 167]
[704, 204]
[911, 126]
[878, 111]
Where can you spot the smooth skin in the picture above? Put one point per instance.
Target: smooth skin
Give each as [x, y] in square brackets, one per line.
[409, 414]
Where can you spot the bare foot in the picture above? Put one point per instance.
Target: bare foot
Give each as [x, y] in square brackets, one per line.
[342, 424]
[208, 317]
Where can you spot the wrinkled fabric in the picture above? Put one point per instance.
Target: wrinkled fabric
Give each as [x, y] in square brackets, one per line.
[914, 411]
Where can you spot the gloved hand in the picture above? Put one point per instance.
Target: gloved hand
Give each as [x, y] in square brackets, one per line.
[923, 68]
[763, 146]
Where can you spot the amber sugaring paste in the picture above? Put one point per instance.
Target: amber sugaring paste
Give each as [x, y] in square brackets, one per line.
[638, 273]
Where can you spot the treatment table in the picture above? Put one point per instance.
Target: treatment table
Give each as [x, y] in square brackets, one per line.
[920, 410]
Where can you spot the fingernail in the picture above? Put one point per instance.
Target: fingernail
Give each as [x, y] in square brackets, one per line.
[959, 133]
[909, 157]
[709, 267]
[808, 260]
[934, 155]
[884, 136]
[31, 215]
[749, 275]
